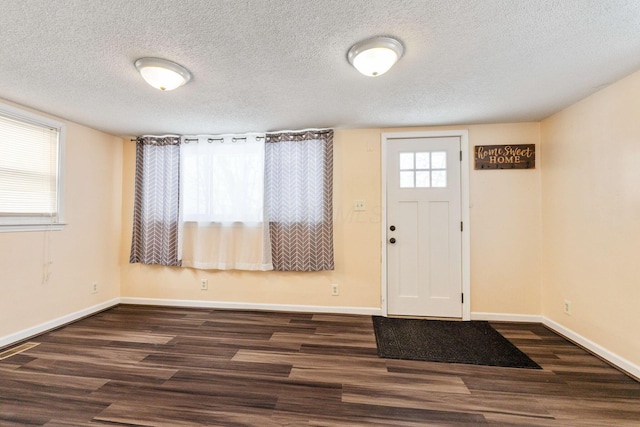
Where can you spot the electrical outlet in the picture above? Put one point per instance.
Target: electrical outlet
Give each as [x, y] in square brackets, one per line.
[567, 307]
[94, 288]
[358, 205]
[335, 290]
[204, 284]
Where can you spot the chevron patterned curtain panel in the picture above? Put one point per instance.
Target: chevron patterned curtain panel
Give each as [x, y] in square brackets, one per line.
[156, 205]
[299, 199]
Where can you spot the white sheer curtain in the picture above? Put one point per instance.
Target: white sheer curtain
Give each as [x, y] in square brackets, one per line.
[222, 203]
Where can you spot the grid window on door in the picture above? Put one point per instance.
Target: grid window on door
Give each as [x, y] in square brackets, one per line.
[425, 169]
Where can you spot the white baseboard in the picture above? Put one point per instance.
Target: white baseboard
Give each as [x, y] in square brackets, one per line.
[506, 317]
[24, 334]
[620, 362]
[55, 323]
[617, 361]
[372, 311]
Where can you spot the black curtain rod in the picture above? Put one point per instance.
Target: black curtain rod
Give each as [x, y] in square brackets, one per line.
[295, 133]
[234, 139]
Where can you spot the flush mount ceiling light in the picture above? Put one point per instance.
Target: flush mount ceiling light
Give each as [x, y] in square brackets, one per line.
[162, 74]
[374, 57]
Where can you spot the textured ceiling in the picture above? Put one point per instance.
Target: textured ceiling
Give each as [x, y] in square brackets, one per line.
[281, 64]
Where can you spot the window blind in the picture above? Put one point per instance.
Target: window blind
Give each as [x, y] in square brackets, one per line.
[28, 171]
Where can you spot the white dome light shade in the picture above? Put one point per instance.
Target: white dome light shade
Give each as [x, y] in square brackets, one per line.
[162, 74]
[374, 57]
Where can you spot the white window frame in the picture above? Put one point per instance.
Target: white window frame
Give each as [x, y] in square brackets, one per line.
[16, 223]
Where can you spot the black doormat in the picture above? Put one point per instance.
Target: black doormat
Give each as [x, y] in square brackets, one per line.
[474, 343]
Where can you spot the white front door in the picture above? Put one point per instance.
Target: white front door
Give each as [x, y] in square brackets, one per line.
[423, 227]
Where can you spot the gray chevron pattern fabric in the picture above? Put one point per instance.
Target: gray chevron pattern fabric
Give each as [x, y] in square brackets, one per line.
[299, 199]
[156, 206]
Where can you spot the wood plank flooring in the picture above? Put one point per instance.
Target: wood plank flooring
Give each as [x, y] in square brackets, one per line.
[156, 366]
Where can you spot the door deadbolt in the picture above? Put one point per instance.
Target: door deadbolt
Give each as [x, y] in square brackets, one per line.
[392, 228]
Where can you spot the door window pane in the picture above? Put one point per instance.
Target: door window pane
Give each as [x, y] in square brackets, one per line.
[422, 160]
[439, 179]
[426, 169]
[406, 161]
[422, 179]
[439, 160]
[406, 179]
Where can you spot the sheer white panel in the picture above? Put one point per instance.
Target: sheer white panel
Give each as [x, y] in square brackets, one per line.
[222, 203]
[28, 172]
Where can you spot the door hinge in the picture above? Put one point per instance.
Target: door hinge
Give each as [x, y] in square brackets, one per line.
[460, 155]
[461, 226]
[462, 298]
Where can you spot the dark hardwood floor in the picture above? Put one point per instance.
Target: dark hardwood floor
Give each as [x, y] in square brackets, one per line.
[151, 366]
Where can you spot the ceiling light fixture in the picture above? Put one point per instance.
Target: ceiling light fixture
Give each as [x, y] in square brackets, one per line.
[375, 56]
[162, 74]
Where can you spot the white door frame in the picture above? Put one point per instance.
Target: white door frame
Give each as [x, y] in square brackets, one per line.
[464, 191]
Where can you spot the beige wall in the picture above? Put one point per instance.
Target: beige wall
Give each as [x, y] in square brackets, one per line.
[85, 251]
[591, 217]
[356, 241]
[505, 227]
[505, 220]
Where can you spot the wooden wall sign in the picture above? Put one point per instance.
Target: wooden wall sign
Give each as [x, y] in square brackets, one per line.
[520, 156]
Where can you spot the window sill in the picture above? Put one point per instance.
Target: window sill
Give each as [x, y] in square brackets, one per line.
[14, 228]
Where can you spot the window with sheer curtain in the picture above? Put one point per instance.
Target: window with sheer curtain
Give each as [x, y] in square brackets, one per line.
[222, 207]
[246, 202]
[30, 171]
[223, 179]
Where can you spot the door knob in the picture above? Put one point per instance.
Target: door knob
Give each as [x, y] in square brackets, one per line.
[392, 240]
[392, 228]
